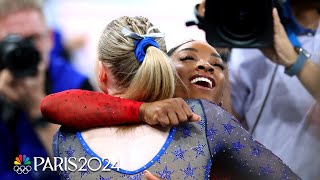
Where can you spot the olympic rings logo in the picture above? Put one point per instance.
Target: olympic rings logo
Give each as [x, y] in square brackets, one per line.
[21, 169]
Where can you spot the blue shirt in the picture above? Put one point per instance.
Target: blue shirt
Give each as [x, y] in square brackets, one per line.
[21, 138]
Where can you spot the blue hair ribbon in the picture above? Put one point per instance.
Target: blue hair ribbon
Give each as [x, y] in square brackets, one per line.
[142, 42]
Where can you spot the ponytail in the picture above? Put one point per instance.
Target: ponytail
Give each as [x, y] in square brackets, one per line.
[154, 79]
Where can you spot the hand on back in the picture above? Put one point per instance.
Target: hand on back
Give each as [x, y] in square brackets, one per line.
[168, 112]
[150, 176]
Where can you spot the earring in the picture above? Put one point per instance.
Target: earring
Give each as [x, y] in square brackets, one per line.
[220, 103]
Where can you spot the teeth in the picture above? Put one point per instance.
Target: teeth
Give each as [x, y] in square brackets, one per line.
[195, 80]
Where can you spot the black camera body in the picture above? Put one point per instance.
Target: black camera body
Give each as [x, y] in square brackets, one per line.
[239, 23]
[19, 55]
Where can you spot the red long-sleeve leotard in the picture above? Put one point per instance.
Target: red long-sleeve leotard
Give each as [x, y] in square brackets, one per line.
[81, 109]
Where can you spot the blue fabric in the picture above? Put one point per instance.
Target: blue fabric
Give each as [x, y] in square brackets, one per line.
[24, 139]
[292, 27]
[140, 45]
[58, 47]
[64, 76]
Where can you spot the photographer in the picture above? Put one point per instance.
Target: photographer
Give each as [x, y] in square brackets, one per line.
[276, 91]
[25, 78]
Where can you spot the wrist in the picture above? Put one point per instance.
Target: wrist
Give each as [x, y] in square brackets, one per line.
[299, 63]
[291, 59]
[142, 112]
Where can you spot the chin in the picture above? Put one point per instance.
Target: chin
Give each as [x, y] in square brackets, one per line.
[201, 96]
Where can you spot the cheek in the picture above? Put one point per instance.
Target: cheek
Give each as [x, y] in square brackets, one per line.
[44, 49]
[182, 71]
[181, 83]
[221, 81]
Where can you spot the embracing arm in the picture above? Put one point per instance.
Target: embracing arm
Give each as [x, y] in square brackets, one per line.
[80, 109]
[248, 158]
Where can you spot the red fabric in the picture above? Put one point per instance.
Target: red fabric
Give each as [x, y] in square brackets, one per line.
[81, 109]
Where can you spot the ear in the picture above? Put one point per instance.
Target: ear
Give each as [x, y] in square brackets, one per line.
[102, 72]
[102, 76]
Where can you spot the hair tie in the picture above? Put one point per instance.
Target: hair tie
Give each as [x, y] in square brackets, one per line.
[142, 42]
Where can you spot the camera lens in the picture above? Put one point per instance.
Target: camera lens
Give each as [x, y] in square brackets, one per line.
[19, 56]
[233, 23]
[241, 22]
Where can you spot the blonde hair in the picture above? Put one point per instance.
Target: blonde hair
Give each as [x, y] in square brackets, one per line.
[151, 80]
[8, 7]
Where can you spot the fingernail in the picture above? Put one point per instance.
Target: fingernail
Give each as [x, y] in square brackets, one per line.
[146, 172]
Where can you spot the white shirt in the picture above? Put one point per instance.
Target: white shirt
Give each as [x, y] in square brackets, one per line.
[290, 123]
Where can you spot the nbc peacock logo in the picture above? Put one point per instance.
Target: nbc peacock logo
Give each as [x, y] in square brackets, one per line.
[22, 164]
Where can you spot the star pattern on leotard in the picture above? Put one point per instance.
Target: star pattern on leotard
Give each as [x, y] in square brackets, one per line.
[243, 165]
[189, 171]
[70, 152]
[62, 138]
[64, 175]
[192, 107]
[186, 130]
[211, 132]
[87, 171]
[237, 146]
[159, 160]
[85, 152]
[102, 178]
[285, 174]
[165, 173]
[256, 151]
[228, 128]
[207, 168]
[74, 138]
[202, 124]
[265, 170]
[179, 153]
[133, 177]
[217, 147]
[60, 153]
[199, 149]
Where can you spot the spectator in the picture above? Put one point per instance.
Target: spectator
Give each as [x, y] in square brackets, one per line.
[22, 127]
[277, 92]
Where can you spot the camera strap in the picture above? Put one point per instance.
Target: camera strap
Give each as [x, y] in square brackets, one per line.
[293, 38]
[293, 28]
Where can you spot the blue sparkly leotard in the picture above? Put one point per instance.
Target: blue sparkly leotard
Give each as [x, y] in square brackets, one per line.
[189, 151]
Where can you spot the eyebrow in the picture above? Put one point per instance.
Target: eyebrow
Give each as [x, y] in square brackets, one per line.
[195, 50]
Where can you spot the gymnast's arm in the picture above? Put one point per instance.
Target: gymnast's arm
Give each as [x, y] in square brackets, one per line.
[248, 158]
[81, 109]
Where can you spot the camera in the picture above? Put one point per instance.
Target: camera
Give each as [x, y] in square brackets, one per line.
[243, 23]
[19, 55]
[239, 23]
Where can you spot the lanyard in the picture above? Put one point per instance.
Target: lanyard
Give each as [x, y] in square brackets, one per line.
[293, 38]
